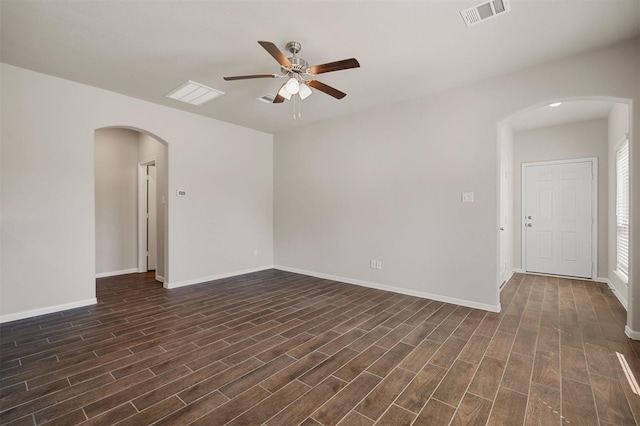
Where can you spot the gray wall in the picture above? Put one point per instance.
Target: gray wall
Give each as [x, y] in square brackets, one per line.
[576, 140]
[47, 186]
[116, 195]
[386, 183]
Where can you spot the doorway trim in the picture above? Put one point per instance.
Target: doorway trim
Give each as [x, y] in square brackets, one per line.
[594, 207]
[142, 213]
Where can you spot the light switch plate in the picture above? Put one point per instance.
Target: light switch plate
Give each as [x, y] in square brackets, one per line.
[467, 197]
[181, 192]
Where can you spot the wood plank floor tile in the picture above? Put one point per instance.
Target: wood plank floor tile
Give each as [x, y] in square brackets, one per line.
[453, 386]
[195, 410]
[355, 419]
[487, 378]
[435, 413]
[308, 403]
[544, 406]
[546, 369]
[279, 348]
[340, 405]
[578, 406]
[361, 362]
[473, 410]
[375, 404]
[271, 405]
[418, 392]
[396, 416]
[611, 401]
[508, 409]
[517, 374]
[475, 349]
[574, 364]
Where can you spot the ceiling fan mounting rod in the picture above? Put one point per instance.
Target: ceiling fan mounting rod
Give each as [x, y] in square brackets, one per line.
[294, 47]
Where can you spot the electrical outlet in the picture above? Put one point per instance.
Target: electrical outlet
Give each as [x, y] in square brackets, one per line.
[372, 264]
[379, 264]
[467, 197]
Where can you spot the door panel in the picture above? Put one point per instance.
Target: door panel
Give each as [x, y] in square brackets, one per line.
[558, 218]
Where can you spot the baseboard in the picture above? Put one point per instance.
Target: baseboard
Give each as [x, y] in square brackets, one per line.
[48, 310]
[504, 283]
[215, 277]
[159, 278]
[635, 335]
[614, 290]
[518, 271]
[462, 302]
[114, 273]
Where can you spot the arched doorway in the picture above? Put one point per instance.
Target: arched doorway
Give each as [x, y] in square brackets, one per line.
[545, 133]
[125, 160]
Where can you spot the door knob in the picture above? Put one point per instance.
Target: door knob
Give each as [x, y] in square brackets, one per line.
[502, 228]
[528, 225]
[528, 217]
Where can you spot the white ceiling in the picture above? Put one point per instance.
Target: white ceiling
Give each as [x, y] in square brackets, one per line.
[407, 49]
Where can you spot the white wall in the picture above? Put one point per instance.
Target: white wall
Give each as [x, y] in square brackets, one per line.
[47, 177]
[116, 195]
[151, 149]
[576, 140]
[386, 183]
[618, 129]
[506, 146]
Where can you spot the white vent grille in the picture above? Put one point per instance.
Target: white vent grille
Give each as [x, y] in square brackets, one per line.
[193, 93]
[483, 11]
[267, 99]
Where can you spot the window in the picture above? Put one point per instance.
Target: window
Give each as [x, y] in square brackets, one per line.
[622, 210]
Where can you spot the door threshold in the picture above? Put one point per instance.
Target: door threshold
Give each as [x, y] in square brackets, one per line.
[558, 276]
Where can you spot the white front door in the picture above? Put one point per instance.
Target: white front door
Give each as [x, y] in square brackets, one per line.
[558, 218]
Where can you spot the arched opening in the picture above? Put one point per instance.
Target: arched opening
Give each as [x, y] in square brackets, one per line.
[579, 128]
[131, 215]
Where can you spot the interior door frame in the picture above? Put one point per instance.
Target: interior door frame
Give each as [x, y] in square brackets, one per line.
[594, 207]
[142, 214]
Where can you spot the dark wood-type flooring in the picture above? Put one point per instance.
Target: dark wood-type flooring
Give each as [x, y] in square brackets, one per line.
[278, 348]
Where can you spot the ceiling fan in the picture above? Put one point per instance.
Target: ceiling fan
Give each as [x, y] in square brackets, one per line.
[298, 73]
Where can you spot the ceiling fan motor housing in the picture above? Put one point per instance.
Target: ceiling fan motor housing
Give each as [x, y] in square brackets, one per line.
[299, 65]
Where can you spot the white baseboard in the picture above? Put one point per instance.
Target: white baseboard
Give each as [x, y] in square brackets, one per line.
[215, 277]
[518, 271]
[635, 335]
[159, 278]
[614, 290]
[462, 302]
[114, 273]
[47, 310]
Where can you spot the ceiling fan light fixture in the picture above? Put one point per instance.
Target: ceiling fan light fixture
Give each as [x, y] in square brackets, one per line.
[284, 92]
[304, 91]
[292, 86]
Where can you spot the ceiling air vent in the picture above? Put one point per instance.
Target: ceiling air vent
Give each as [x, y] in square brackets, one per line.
[267, 99]
[483, 11]
[193, 93]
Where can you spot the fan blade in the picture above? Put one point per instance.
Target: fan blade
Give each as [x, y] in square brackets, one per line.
[276, 53]
[246, 77]
[345, 64]
[279, 98]
[326, 89]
